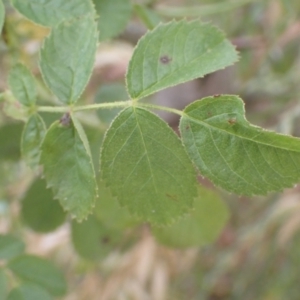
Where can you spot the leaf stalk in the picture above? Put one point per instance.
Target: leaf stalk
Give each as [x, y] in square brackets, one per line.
[64, 109]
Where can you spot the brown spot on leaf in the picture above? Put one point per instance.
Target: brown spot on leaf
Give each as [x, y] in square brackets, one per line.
[217, 95]
[187, 127]
[232, 121]
[172, 197]
[165, 59]
[209, 113]
[65, 120]
[105, 240]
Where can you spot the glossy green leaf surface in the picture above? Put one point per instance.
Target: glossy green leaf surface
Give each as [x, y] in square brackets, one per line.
[145, 165]
[68, 168]
[41, 272]
[109, 211]
[52, 12]
[28, 291]
[113, 17]
[92, 239]
[202, 226]
[67, 57]
[10, 246]
[110, 93]
[234, 154]
[32, 137]
[39, 211]
[22, 84]
[174, 53]
[2, 15]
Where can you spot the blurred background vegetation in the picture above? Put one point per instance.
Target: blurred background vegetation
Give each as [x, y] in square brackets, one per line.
[257, 255]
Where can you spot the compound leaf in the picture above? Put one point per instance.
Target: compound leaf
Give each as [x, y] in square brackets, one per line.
[39, 211]
[68, 167]
[32, 137]
[10, 246]
[118, 10]
[67, 57]
[174, 53]
[28, 291]
[22, 85]
[234, 154]
[41, 272]
[52, 12]
[146, 167]
[202, 226]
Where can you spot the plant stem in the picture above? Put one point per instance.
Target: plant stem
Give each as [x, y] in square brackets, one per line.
[158, 107]
[54, 109]
[201, 10]
[103, 105]
[64, 109]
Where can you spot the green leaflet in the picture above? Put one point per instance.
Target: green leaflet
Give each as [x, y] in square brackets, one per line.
[174, 53]
[113, 17]
[2, 15]
[22, 85]
[39, 211]
[41, 272]
[68, 167]
[52, 12]
[32, 137]
[202, 226]
[92, 239]
[145, 166]
[67, 57]
[234, 154]
[10, 247]
[28, 291]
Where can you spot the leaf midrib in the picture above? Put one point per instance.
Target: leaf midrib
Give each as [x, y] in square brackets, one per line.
[146, 150]
[239, 136]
